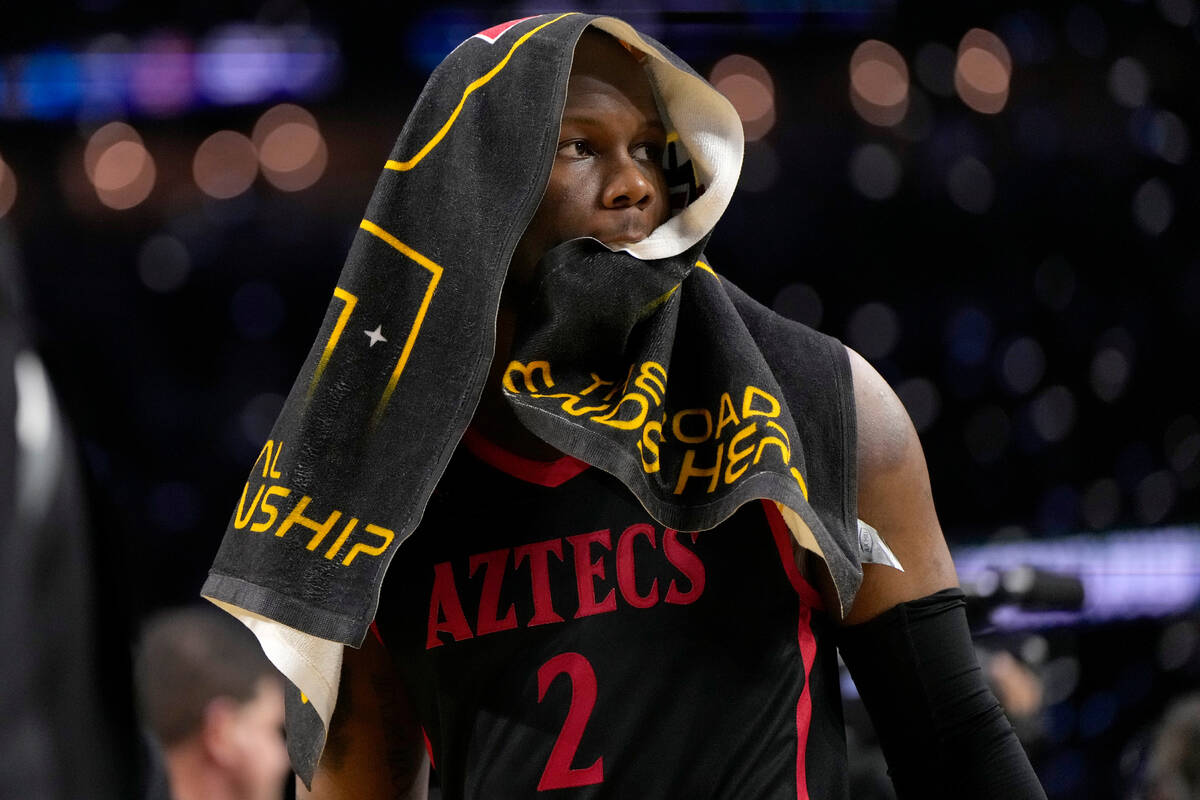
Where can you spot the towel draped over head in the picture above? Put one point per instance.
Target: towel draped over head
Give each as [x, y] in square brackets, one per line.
[641, 362]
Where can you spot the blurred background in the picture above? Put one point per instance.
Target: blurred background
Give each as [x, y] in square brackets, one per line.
[991, 201]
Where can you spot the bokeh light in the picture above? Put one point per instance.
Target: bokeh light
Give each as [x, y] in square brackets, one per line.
[240, 63]
[259, 415]
[120, 168]
[1109, 373]
[1053, 413]
[970, 185]
[878, 83]
[1154, 496]
[873, 330]
[1177, 644]
[1164, 134]
[1153, 207]
[875, 171]
[1128, 82]
[225, 164]
[161, 79]
[1181, 443]
[291, 149]
[49, 83]
[105, 65]
[163, 263]
[8, 188]
[1177, 12]
[983, 71]
[749, 87]
[1023, 365]
[1028, 35]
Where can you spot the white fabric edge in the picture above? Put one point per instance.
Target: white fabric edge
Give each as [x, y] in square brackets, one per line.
[710, 129]
[312, 664]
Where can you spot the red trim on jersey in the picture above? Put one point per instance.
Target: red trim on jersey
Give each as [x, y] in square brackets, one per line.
[808, 655]
[428, 747]
[783, 542]
[543, 473]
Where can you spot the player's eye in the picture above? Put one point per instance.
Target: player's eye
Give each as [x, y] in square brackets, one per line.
[575, 148]
[647, 151]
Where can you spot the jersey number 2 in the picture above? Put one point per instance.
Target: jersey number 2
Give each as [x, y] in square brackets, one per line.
[558, 773]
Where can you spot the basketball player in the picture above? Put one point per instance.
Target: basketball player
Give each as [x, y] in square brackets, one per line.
[561, 643]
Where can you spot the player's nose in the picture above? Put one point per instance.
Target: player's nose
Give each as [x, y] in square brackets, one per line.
[627, 185]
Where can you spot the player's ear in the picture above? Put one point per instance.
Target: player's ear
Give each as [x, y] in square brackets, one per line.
[219, 731]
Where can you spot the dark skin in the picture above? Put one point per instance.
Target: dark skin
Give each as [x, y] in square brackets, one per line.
[607, 182]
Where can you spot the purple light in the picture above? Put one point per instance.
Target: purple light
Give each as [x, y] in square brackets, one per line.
[161, 80]
[240, 64]
[1125, 575]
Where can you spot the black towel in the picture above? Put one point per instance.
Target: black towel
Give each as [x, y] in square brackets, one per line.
[640, 362]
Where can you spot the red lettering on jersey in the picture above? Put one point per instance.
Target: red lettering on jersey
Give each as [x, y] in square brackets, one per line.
[626, 574]
[489, 599]
[539, 576]
[687, 562]
[445, 610]
[586, 572]
[496, 31]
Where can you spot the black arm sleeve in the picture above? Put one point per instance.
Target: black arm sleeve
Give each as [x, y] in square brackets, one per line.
[942, 730]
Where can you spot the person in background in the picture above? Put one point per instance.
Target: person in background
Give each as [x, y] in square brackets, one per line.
[1172, 770]
[213, 703]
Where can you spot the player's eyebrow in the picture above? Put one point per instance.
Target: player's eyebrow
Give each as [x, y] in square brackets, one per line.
[654, 126]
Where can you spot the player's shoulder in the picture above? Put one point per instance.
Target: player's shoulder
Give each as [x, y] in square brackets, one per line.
[886, 437]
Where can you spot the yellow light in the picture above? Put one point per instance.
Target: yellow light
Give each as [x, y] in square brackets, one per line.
[748, 86]
[119, 166]
[879, 83]
[291, 149]
[983, 71]
[104, 138]
[124, 175]
[225, 164]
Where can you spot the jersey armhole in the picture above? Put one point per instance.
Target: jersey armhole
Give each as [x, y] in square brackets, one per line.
[783, 544]
[424, 733]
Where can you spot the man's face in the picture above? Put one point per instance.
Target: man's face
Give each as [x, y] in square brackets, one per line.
[259, 759]
[607, 180]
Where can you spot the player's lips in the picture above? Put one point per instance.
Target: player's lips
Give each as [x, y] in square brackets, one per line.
[623, 237]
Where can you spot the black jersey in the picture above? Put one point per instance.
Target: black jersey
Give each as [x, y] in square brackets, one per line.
[555, 639]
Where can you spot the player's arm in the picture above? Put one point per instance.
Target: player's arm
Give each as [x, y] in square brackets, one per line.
[894, 497]
[375, 750]
[906, 640]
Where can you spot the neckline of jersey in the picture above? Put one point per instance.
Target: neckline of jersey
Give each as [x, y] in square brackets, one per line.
[551, 474]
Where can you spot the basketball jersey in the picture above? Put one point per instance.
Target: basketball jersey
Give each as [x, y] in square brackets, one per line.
[557, 641]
